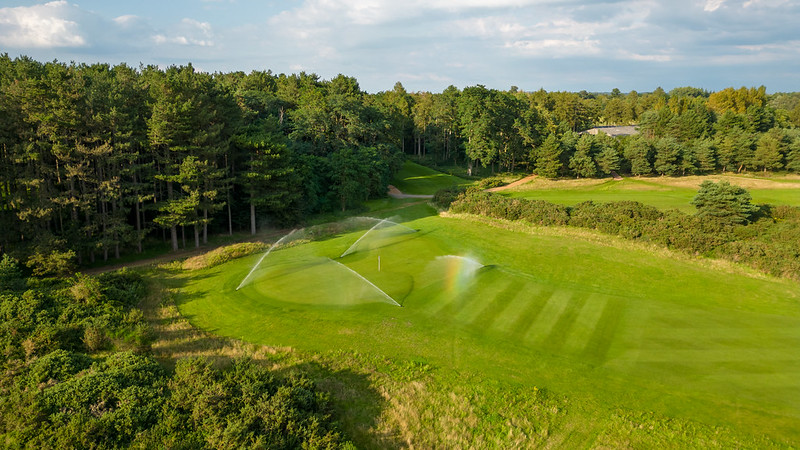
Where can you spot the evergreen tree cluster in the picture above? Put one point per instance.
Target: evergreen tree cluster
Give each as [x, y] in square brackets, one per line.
[97, 159]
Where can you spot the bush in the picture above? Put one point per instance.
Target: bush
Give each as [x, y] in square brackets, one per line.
[627, 219]
[723, 203]
[444, 197]
[11, 278]
[491, 182]
[487, 204]
[122, 287]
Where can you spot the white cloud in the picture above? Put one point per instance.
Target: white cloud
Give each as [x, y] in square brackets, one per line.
[765, 3]
[40, 26]
[188, 32]
[713, 5]
[557, 48]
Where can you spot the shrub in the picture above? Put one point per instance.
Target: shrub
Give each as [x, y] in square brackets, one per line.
[122, 287]
[491, 182]
[11, 278]
[723, 203]
[444, 197]
[492, 205]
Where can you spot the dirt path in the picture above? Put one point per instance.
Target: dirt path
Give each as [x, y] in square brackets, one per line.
[395, 193]
[184, 253]
[514, 184]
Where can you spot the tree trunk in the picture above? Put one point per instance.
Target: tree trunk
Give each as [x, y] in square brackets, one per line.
[104, 210]
[230, 215]
[173, 230]
[196, 236]
[205, 226]
[116, 233]
[138, 227]
[252, 219]
[138, 219]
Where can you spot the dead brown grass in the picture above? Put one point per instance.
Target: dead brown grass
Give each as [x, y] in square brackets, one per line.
[176, 338]
[223, 254]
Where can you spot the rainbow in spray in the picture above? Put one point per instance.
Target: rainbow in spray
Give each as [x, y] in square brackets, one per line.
[459, 273]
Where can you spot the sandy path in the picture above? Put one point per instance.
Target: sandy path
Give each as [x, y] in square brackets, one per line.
[514, 184]
[395, 193]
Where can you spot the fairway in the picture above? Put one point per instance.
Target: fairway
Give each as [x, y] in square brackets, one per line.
[417, 179]
[663, 192]
[615, 323]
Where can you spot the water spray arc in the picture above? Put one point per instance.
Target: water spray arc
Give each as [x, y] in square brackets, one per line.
[351, 249]
[264, 256]
[393, 301]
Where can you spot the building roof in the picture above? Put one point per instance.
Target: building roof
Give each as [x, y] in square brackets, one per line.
[614, 131]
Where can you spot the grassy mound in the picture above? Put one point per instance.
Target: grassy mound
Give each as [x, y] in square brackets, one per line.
[223, 254]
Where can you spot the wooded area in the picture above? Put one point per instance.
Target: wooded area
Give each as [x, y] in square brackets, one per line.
[97, 158]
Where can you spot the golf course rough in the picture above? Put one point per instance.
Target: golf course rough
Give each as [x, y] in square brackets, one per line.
[625, 326]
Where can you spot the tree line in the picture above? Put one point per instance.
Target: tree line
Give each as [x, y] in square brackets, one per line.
[98, 158]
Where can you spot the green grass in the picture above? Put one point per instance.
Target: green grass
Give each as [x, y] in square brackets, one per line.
[416, 179]
[626, 336]
[663, 194]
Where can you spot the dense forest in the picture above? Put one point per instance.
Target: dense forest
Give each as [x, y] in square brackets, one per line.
[96, 159]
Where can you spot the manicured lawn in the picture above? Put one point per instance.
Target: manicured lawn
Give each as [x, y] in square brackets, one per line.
[416, 179]
[663, 193]
[612, 328]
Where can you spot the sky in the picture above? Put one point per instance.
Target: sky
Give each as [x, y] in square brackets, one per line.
[428, 45]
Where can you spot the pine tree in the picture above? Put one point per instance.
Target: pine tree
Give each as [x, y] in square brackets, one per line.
[266, 175]
[769, 150]
[724, 203]
[548, 158]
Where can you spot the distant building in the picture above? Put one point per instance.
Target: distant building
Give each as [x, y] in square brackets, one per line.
[613, 131]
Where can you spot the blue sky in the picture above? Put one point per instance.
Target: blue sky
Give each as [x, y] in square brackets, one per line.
[431, 44]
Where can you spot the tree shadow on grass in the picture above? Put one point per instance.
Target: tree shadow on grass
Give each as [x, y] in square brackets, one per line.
[356, 405]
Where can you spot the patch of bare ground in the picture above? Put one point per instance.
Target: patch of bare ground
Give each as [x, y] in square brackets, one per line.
[607, 240]
[514, 184]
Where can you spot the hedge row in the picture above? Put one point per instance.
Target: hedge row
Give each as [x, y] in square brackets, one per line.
[771, 243]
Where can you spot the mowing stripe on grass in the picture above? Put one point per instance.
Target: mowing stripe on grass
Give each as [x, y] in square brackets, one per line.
[534, 306]
[749, 380]
[703, 334]
[516, 308]
[487, 316]
[585, 323]
[733, 354]
[563, 327]
[597, 348]
[481, 295]
[547, 319]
